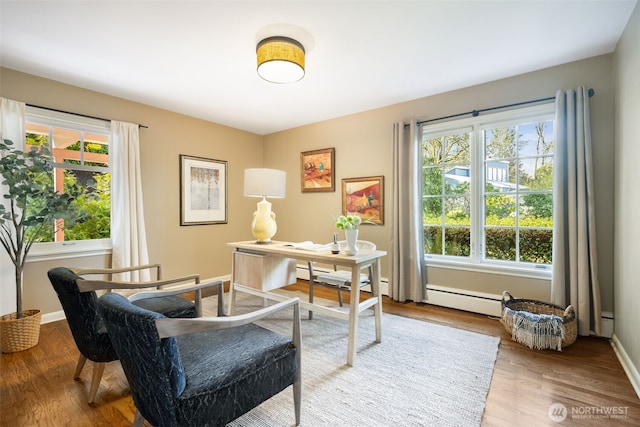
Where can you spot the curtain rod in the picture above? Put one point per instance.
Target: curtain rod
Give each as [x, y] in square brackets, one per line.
[476, 113]
[78, 114]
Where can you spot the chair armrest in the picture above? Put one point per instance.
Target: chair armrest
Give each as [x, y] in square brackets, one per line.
[187, 287]
[111, 271]
[173, 327]
[87, 285]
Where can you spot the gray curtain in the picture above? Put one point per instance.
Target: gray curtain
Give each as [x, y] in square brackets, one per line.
[406, 278]
[575, 268]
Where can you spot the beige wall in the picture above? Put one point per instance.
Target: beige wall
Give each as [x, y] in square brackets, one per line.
[363, 148]
[627, 201]
[181, 250]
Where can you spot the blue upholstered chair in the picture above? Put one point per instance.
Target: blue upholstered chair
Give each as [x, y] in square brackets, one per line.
[201, 372]
[79, 302]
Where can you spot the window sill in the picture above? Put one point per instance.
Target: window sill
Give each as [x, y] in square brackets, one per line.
[63, 250]
[532, 272]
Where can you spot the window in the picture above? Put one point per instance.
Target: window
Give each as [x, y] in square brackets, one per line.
[80, 151]
[488, 189]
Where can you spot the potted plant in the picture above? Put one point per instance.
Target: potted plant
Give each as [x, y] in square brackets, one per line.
[30, 210]
[349, 223]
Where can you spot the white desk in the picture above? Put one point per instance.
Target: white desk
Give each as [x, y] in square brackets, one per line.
[273, 270]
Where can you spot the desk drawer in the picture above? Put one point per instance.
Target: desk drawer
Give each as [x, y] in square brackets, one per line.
[262, 271]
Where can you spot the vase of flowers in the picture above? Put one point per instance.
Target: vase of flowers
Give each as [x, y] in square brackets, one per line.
[349, 223]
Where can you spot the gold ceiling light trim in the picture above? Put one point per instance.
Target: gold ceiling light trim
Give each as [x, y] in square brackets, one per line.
[280, 59]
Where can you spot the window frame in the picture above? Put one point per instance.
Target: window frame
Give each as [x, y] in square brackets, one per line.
[476, 261]
[72, 248]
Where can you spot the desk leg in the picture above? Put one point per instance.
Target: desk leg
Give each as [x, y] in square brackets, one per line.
[354, 314]
[232, 298]
[377, 308]
[232, 291]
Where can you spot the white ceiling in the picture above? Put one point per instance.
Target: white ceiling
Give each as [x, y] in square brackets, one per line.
[198, 58]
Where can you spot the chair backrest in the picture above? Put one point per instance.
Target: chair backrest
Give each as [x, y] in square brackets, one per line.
[152, 365]
[81, 310]
[362, 245]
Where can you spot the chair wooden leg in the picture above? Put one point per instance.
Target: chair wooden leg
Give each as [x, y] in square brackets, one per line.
[297, 398]
[138, 421]
[340, 297]
[81, 361]
[311, 297]
[98, 369]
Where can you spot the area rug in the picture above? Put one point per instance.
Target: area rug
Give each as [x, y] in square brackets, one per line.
[421, 374]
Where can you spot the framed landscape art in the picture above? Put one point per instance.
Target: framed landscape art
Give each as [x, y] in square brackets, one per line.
[203, 191]
[317, 170]
[364, 197]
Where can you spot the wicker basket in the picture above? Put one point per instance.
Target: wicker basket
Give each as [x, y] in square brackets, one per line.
[510, 307]
[19, 334]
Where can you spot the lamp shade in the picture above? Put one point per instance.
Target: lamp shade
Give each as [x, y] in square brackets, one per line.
[280, 60]
[261, 182]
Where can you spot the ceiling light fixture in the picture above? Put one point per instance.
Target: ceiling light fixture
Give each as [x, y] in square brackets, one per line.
[280, 60]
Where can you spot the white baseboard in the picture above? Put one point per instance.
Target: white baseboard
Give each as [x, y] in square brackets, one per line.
[627, 364]
[462, 299]
[52, 317]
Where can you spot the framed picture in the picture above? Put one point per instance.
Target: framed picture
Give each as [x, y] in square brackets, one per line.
[203, 191]
[364, 197]
[317, 170]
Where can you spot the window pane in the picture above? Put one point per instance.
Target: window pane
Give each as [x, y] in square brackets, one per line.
[500, 244]
[457, 148]
[500, 210]
[458, 241]
[96, 150]
[537, 173]
[457, 210]
[536, 246]
[95, 204]
[535, 139]
[500, 143]
[433, 240]
[536, 210]
[432, 210]
[432, 152]
[66, 146]
[431, 181]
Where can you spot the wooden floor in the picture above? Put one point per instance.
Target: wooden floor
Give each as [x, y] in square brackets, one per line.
[37, 389]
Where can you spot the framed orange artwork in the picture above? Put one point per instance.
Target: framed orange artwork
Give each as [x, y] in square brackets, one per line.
[317, 170]
[364, 197]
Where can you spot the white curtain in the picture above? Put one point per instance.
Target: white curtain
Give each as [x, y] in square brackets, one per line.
[12, 127]
[128, 235]
[406, 278]
[575, 269]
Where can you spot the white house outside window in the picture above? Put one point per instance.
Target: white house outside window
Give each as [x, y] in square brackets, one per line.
[487, 189]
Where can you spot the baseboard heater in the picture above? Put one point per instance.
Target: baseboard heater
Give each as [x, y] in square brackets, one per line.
[462, 299]
[489, 304]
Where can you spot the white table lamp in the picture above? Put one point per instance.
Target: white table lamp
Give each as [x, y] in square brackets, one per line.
[264, 183]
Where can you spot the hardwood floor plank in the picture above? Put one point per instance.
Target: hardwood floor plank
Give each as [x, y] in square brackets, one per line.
[37, 388]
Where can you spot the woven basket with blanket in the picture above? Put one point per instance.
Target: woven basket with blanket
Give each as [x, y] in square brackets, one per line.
[538, 325]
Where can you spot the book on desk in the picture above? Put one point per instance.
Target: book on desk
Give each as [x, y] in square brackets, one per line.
[309, 246]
